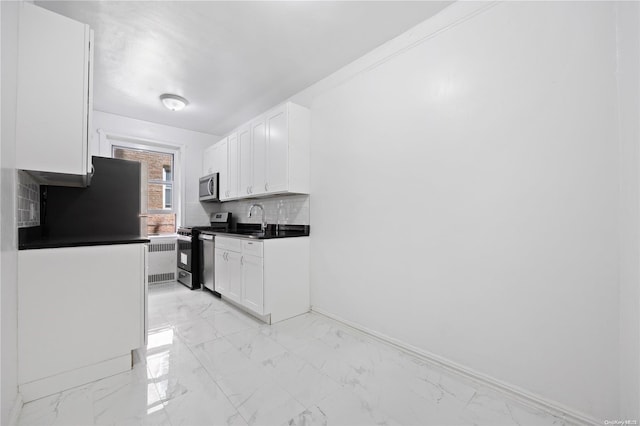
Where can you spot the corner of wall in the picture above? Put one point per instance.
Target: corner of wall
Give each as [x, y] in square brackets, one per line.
[10, 401]
[628, 88]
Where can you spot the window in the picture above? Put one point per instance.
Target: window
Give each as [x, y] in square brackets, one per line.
[159, 167]
[167, 202]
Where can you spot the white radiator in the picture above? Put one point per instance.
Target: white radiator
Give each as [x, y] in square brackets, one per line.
[162, 260]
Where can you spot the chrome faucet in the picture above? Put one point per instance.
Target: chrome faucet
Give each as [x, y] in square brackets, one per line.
[264, 222]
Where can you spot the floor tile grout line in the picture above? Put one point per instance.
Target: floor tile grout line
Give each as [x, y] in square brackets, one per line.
[215, 382]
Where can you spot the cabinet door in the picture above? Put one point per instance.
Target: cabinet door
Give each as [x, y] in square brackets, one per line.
[259, 156]
[208, 160]
[277, 150]
[232, 166]
[221, 273]
[245, 172]
[252, 283]
[220, 166]
[53, 94]
[234, 290]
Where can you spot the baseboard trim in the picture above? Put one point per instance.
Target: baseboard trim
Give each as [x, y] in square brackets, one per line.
[513, 392]
[16, 409]
[69, 379]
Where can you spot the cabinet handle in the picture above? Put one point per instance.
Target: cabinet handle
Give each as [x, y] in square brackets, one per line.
[251, 189]
[266, 186]
[248, 190]
[242, 260]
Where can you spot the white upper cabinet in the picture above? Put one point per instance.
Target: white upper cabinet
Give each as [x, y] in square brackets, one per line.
[220, 165]
[259, 156]
[252, 172]
[223, 159]
[288, 142]
[209, 160]
[54, 96]
[277, 178]
[231, 169]
[245, 162]
[269, 155]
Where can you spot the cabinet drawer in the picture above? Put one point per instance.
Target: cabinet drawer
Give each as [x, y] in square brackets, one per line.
[231, 244]
[252, 247]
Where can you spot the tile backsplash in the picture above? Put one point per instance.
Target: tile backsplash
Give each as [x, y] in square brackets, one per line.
[283, 209]
[28, 202]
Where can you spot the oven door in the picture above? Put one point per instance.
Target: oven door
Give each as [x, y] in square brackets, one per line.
[184, 253]
[208, 189]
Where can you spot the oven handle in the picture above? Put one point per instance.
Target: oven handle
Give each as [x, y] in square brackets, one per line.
[184, 238]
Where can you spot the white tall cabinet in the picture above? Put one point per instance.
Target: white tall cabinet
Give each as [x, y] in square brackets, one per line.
[54, 97]
[81, 311]
[269, 155]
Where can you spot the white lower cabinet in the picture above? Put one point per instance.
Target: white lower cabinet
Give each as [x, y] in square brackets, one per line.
[221, 272]
[234, 290]
[228, 274]
[252, 283]
[269, 278]
[81, 311]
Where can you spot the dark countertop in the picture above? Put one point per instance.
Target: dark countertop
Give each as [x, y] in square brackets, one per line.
[31, 239]
[253, 231]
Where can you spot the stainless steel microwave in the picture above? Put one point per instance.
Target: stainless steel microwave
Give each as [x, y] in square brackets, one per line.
[209, 187]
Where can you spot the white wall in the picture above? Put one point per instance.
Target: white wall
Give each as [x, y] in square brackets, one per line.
[194, 142]
[465, 196]
[628, 19]
[8, 225]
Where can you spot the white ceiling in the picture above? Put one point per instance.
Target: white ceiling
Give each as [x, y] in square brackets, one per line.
[232, 60]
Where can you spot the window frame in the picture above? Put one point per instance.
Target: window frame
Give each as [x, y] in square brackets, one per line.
[169, 188]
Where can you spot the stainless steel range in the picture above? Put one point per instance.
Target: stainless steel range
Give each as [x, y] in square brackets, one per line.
[190, 250]
[185, 258]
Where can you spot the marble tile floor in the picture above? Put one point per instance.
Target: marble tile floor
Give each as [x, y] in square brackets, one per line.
[207, 363]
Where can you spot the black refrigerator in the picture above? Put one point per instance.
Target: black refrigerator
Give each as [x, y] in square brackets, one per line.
[110, 206]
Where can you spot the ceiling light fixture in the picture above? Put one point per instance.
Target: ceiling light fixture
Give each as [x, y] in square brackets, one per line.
[173, 102]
